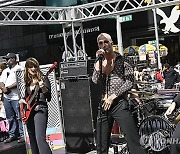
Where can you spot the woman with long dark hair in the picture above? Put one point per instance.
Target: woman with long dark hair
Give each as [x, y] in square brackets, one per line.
[38, 84]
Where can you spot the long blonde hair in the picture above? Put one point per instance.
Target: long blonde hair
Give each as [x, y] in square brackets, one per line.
[31, 62]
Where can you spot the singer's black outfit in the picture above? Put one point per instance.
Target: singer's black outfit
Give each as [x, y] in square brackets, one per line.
[37, 122]
[175, 148]
[118, 82]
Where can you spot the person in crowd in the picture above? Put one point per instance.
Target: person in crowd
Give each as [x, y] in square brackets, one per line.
[175, 147]
[136, 73]
[8, 86]
[141, 76]
[146, 75]
[177, 67]
[170, 76]
[159, 77]
[2, 111]
[36, 82]
[4, 125]
[2, 67]
[152, 75]
[117, 80]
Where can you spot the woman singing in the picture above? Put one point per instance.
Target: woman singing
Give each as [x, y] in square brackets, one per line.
[35, 81]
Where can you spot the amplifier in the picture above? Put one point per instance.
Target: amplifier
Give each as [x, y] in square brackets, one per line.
[74, 68]
[90, 66]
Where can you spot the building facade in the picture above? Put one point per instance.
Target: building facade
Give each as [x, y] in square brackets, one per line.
[45, 42]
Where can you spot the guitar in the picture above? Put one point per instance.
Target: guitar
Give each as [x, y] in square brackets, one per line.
[26, 108]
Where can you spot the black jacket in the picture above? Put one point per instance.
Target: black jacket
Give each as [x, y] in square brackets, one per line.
[171, 77]
[177, 100]
[40, 98]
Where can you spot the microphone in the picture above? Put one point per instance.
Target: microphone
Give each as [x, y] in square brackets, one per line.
[51, 68]
[99, 57]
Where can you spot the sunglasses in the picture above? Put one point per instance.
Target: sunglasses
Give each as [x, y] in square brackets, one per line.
[103, 42]
[33, 67]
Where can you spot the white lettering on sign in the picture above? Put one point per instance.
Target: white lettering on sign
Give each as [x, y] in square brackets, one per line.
[87, 30]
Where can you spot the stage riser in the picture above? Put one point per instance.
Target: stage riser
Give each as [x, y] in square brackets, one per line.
[12, 148]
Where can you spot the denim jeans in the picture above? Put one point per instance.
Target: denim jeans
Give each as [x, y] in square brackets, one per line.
[12, 109]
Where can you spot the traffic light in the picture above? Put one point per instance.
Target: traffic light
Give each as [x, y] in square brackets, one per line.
[147, 1]
[178, 6]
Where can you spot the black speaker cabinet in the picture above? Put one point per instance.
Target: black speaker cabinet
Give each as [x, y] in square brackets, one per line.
[77, 115]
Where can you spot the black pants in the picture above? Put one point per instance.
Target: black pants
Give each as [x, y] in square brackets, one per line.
[175, 146]
[119, 111]
[36, 128]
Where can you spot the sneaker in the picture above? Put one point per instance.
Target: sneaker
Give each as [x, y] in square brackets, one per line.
[21, 139]
[10, 139]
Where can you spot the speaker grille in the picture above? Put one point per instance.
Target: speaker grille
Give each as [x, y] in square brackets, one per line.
[77, 115]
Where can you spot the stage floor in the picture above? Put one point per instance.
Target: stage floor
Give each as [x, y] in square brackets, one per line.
[12, 148]
[20, 148]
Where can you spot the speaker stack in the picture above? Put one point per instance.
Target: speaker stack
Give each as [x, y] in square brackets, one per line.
[76, 107]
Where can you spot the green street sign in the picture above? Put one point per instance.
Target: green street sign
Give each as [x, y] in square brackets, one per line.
[152, 42]
[126, 18]
[122, 19]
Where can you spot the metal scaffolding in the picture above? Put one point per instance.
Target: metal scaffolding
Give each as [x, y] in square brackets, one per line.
[75, 15]
[32, 15]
